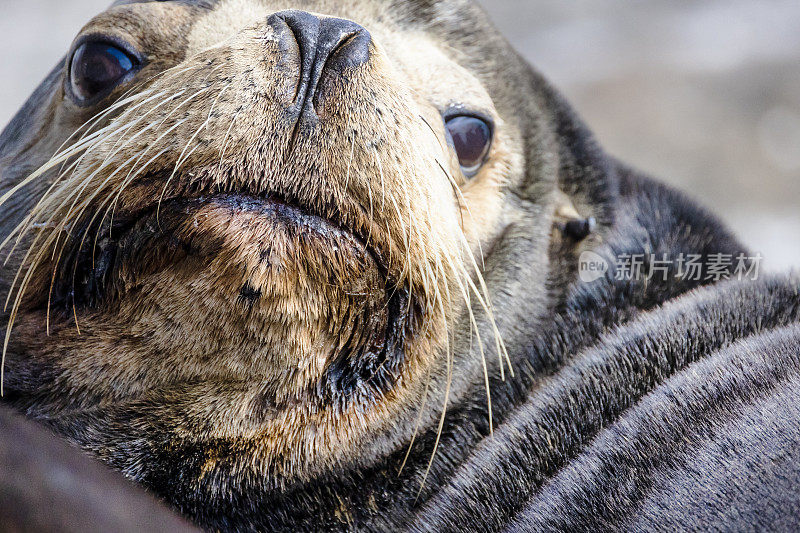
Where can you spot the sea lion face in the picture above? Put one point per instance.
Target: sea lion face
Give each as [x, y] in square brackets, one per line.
[269, 223]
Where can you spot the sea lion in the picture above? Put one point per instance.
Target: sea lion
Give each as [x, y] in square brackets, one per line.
[315, 265]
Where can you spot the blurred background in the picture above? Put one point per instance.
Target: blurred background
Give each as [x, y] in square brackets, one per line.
[703, 94]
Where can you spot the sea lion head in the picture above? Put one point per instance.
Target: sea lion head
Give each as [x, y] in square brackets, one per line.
[275, 238]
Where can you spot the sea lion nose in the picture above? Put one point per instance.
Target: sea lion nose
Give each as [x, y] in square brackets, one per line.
[328, 50]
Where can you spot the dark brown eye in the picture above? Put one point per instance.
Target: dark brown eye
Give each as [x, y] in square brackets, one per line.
[471, 138]
[97, 68]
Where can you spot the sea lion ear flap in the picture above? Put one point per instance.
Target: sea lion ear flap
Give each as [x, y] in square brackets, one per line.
[575, 229]
[569, 222]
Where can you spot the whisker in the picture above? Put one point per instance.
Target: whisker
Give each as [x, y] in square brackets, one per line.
[417, 423]
[183, 157]
[446, 401]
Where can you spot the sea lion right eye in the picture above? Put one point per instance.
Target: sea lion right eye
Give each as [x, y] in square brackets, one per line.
[471, 137]
[97, 67]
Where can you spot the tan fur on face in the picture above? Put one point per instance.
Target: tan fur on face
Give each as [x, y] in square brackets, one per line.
[377, 167]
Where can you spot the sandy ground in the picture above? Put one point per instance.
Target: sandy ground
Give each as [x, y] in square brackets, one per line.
[704, 94]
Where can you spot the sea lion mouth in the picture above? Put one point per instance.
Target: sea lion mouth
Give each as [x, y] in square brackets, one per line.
[260, 249]
[199, 222]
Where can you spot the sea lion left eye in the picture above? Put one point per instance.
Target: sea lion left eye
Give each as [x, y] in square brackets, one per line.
[471, 138]
[98, 67]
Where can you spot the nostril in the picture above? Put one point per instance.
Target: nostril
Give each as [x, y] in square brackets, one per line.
[305, 28]
[351, 52]
[297, 33]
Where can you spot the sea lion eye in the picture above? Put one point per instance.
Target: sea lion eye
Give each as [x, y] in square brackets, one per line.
[471, 137]
[96, 68]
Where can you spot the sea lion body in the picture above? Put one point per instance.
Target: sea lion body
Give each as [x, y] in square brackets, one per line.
[315, 266]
